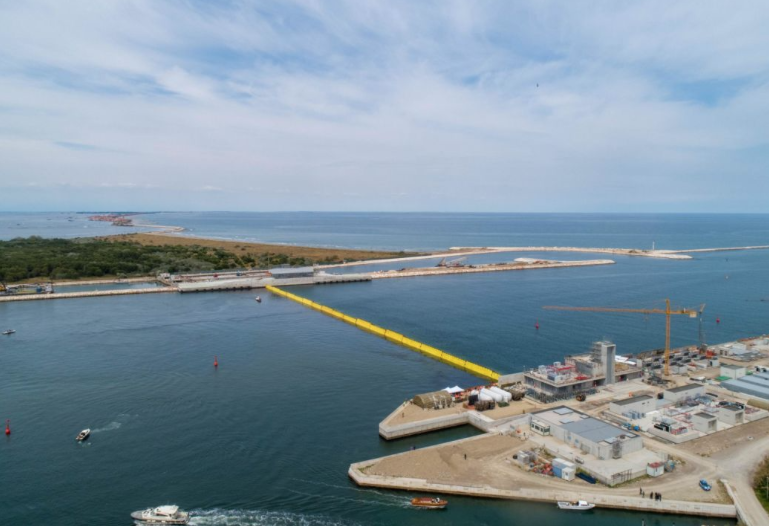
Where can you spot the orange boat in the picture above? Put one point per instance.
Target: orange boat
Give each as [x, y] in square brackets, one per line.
[433, 503]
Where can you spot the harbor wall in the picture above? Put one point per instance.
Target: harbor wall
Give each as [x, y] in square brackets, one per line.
[395, 337]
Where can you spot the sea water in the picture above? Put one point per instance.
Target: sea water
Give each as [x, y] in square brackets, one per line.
[267, 437]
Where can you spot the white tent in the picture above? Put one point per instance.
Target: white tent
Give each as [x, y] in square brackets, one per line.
[452, 390]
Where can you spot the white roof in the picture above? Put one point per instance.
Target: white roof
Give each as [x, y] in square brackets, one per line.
[166, 510]
[452, 390]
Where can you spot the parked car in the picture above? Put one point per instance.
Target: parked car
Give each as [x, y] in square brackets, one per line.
[704, 485]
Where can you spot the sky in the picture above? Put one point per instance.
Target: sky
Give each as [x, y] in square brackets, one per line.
[487, 106]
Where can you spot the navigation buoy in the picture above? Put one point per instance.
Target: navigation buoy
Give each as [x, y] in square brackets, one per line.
[536, 325]
[216, 362]
[7, 427]
[718, 320]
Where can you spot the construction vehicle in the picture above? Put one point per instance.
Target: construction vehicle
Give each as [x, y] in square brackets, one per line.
[667, 311]
[459, 262]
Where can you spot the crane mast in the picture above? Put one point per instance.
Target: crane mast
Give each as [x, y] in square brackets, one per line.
[667, 311]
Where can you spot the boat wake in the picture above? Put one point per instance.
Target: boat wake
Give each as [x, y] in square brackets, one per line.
[393, 499]
[221, 517]
[399, 503]
[109, 427]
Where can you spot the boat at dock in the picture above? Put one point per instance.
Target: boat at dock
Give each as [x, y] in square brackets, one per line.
[83, 435]
[580, 505]
[431, 503]
[162, 515]
[8, 332]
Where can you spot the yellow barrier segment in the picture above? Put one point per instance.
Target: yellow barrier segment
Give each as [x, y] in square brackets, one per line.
[432, 352]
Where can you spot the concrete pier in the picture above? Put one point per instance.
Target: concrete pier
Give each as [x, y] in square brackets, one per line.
[86, 294]
[601, 500]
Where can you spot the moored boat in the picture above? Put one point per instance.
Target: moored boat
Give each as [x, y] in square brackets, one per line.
[432, 503]
[162, 515]
[83, 435]
[258, 299]
[579, 505]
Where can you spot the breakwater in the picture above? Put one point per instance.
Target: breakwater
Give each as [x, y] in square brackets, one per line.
[499, 267]
[395, 337]
[86, 294]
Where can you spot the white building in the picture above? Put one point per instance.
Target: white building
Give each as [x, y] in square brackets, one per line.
[733, 371]
[731, 415]
[590, 435]
[637, 404]
[704, 422]
[677, 394]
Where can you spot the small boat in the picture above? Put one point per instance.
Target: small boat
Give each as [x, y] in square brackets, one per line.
[431, 503]
[162, 515]
[8, 332]
[580, 505]
[258, 299]
[704, 485]
[84, 434]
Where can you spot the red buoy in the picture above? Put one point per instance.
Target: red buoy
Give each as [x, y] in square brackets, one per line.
[536, 325]
[7, 427]
[718, 320]
[216, 362]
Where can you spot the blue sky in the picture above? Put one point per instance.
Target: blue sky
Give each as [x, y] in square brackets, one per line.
[396, 105]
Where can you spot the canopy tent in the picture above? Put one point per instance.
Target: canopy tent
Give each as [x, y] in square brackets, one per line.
[453, 390]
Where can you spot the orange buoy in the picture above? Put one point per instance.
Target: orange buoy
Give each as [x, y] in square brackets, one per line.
[216, 362]
[7, 427]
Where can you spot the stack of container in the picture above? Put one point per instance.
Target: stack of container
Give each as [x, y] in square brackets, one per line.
[564, 469]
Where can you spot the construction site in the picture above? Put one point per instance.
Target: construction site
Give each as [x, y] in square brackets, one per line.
[596, 423]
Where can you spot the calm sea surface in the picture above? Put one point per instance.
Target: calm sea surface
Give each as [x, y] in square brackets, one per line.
[267, 438]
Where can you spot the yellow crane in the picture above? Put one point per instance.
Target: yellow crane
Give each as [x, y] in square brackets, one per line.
[667, 311]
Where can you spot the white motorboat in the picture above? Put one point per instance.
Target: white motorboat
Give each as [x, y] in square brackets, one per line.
[162, 515]
[8, 332]
[258, 299]
[580, 505]
[84, 434]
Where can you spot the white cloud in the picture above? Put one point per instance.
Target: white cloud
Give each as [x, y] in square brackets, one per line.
[396, 105]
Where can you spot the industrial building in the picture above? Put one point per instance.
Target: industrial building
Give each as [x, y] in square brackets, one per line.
[733, 371]
[704, 422]
[756, 385]
[680, 393]
[589, 435]
[634, 405]
[581, 373]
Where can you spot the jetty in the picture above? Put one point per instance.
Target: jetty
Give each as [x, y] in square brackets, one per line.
[493, 267]
[86, 294]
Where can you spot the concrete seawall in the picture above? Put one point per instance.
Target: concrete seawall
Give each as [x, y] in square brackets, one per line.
[601, 500]
[442, 271]
[86, 294]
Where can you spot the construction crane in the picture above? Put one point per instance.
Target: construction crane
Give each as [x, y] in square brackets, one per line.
[667, 311]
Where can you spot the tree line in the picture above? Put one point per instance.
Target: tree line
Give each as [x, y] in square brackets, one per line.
[55, 259]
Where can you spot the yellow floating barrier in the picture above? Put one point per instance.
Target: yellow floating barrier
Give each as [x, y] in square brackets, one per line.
[395, 337]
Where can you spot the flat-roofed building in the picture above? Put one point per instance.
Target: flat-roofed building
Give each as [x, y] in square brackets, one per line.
[637, 404]
[756, 384]
[677, 394]
[590, 435]
[704, 422]
[733, 371]
[731, 415]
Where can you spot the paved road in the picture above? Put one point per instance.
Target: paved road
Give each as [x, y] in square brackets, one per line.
[737, 466]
